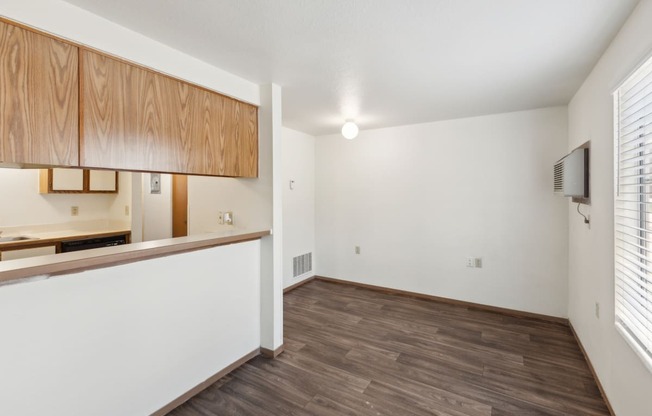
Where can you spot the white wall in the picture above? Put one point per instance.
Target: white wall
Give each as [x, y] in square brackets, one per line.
[123, 199]
[157, 209]
[419, 199]
[207, 196]
[591, 268]
[28, 207]
[248, 199]
[127, 340]
[298, 203]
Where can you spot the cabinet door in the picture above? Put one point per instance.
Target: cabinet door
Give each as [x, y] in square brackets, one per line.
[216, 134]
[38, 99]
[102, 181]
[61, 180]
[74, 181]
[67, 180]
[27, 252]
[248, 140]
[230, 143]
[136, 119]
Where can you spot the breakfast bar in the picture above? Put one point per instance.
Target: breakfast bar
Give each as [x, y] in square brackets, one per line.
[54, 264]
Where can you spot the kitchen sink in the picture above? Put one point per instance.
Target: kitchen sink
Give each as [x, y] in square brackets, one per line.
[18, 238]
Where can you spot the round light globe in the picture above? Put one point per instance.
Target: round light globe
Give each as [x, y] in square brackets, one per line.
[350, 130]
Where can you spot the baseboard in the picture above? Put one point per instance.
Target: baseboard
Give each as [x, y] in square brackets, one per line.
[470, 305]
[203, 385]
[298, 284]
[595, 375]
[271, 354]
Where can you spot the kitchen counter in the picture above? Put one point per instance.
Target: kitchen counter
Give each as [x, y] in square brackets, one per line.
[56, 236]
[45, 266]
[66, 230]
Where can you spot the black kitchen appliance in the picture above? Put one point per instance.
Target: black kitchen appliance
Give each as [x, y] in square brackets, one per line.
[92, 242]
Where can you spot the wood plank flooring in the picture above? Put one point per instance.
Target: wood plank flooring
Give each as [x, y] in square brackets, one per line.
[356, 351]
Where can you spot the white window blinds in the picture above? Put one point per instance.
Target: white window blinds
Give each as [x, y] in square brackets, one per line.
[633, 210]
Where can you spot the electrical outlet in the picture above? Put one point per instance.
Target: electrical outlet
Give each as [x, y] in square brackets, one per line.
[478, 262]
[220, 217]
[597, 310]
[357, 249]
[470, 262]
[228, 218]
[126, 209]
[74, 211]
[588, 224]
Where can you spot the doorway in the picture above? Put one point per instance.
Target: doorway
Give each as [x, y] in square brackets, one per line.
[179, 205]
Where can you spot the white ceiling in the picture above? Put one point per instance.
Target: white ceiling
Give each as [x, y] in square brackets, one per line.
[388, 62]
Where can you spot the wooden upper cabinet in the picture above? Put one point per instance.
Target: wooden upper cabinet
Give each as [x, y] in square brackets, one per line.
[125, 116]
[38, 99]
[248, 140]
[136, 119]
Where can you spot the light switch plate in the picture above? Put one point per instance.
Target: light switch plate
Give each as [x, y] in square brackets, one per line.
[155, 183]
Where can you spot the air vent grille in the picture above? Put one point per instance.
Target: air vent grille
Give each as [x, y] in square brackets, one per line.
[301, 264]
[559, 177]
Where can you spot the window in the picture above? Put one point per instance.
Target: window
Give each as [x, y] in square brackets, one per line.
[633, 210]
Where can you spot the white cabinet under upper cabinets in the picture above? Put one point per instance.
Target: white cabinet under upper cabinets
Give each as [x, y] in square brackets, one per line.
[77, 181]
[67, 180]
[102, 181]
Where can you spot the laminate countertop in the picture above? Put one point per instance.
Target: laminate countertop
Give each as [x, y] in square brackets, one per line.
[101, 257]
[54, 236]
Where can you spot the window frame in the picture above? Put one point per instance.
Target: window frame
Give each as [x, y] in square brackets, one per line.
[642, 268]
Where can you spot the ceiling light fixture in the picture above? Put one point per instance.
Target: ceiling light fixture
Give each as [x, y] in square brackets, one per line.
[350, 130]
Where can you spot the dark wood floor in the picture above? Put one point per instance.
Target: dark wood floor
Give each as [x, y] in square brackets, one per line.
[354, 351]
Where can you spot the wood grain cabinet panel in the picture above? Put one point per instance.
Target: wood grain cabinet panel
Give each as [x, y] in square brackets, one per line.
[241, 151]
[38, 99]
[248, 149]
[229, 138]
[186, 127]
[123, 120]
[137, 119]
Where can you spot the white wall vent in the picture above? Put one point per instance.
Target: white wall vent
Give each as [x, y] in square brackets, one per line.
[559, 178]
[301, 264]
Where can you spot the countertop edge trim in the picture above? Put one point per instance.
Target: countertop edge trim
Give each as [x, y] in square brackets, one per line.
[112, 259]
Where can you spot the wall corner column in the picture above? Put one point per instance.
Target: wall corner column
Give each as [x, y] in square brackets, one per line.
[271, 262]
